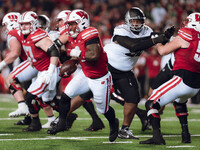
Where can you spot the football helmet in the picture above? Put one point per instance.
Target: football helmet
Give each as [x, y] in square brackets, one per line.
[44, 22]
[82, 20]
[193, 21]
[10, 21]
[63, 15]
[133, 14]
[29, 17]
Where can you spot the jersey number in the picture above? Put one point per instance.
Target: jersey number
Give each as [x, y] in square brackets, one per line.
[29, 53]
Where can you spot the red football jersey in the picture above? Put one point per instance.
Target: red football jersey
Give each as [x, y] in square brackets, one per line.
[39, 58]
[17, 34]
[91, 69]
[188, 58]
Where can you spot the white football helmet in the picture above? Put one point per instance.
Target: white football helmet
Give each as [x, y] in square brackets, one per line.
[132, 14]
[10, 20]
[193, 21]
[63, 15]
[29, 17]
[82, 20]
[44, 22]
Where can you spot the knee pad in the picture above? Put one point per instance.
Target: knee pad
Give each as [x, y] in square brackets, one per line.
[152, 108]
[180, 109]
[13, 87]
[32, 103]
[41, 103]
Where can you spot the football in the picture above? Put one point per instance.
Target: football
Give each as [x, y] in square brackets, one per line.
[68, 67]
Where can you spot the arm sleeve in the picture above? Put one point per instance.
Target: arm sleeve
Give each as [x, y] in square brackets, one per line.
[134, 44]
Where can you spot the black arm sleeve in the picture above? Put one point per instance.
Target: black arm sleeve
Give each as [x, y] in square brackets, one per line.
[134, 44]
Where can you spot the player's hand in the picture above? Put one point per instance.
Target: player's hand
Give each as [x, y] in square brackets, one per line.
[169, 32]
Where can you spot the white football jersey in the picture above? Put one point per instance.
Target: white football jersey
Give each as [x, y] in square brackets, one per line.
[116, 53]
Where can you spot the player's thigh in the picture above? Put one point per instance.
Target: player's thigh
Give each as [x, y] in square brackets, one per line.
[77, 86]
[101, 89]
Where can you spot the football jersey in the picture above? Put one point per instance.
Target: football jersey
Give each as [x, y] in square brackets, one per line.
[188, 58]
[116, 53]
[53, 35]
[91, 69]
[39, 58]
[16, 33]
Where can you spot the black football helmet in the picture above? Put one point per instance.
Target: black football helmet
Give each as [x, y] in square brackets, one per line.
[135, 13]
[44, 22]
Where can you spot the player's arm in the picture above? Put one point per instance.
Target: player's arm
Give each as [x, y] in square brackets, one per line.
[15, 51]
[48, 46]
[91, 54]
[175, 44]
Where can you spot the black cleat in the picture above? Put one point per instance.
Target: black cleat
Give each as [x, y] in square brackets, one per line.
[26, 121]
[114, 129]
[59, 127]
[70, 120]
[34, 126]
[186, 137]
[95, 126]
[155, 141]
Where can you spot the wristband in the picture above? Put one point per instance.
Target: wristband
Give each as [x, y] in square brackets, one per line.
[51, 68]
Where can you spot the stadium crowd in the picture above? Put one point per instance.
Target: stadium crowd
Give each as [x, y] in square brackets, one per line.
[155, 23]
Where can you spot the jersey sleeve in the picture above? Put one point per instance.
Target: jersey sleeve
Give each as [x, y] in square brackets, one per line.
[187, 34]
[89, 34]
[120, 30]
[38, 35]
[64, 29]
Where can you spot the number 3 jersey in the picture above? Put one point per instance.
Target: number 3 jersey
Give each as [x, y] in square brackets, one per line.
[116, 53]
[39, 58]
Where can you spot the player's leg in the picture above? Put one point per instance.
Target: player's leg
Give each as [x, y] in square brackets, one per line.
[101, 89]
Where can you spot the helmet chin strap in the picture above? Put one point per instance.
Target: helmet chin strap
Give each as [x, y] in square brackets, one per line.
[73, 34]
[25, 32]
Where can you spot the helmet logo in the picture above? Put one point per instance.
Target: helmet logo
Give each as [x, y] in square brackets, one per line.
[34, 16]
[197, 17]
[82, 14]
[13, 18]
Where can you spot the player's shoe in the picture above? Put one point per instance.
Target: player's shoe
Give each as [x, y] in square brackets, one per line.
[114, 128]
[186, 137]
[34, 126]
[96, 125]
[60, 126]
[26, 121]
[22, 111]
[157, 139]
[70, 120]
[126, 134]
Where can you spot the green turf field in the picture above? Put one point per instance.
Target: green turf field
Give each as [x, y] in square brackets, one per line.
[12, 137]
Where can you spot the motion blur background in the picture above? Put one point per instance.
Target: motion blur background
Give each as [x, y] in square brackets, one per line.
[105, 15]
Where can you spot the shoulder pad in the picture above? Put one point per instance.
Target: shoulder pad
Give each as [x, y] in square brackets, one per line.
[188, 34]
[38, 35]
[122, 30]
[89, 33]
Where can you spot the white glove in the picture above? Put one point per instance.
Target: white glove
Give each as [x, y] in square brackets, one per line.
[46, 78]
[2, 65]
[76, 52]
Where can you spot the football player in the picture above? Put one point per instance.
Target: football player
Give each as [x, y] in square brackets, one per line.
[123, 52]
[43, 56]
[83, 43]
[185, 74]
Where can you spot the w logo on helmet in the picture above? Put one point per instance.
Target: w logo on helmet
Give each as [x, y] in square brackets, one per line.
[82, 14]
[13, 17]
[34, 16]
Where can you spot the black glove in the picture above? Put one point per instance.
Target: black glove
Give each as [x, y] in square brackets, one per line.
[169, 32]
[155, 34]
[160, 39]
